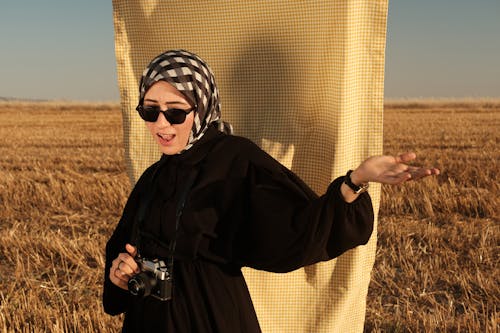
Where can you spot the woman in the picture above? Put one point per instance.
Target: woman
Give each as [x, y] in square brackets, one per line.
[214, 203]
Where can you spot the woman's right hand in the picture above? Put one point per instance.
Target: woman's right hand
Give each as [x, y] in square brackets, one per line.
[124, 267]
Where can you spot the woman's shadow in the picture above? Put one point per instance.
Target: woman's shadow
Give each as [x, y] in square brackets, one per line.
[267, 83]
[273, 110]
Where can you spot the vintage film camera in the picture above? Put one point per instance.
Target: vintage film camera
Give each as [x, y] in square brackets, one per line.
[154, 279]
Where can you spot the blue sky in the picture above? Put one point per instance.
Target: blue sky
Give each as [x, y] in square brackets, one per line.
[443, 48]
[435, 49]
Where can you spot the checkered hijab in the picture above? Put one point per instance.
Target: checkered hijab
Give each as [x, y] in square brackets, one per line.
[194, 79]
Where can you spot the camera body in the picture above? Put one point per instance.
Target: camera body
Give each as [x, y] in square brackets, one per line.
[154, 279]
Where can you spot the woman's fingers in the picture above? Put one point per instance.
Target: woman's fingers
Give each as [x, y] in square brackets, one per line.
[128, 264]
[413, 173]
[124, 267]
[397, 178]
[132, 250]
[116, 276]
[121, 275]
[418, 173]
[406, 157]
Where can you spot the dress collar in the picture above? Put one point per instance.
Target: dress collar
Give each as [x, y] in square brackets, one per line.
[196, 153]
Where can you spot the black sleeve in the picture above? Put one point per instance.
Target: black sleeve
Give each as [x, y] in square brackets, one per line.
[115, 299]
[286, 226]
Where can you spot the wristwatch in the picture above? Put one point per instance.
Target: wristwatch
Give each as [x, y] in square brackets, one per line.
[355, 188]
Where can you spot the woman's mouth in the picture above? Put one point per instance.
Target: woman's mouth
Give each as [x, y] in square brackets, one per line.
[165, 139]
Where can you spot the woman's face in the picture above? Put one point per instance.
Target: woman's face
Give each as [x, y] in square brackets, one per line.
[170, 138]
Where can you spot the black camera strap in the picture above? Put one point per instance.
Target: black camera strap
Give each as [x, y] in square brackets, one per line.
[138, 234]
[149, 191]
[178, 213]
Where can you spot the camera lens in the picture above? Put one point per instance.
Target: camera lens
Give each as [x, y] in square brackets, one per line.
[141, 284]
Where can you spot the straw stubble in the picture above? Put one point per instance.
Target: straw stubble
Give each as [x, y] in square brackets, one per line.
[63, 186]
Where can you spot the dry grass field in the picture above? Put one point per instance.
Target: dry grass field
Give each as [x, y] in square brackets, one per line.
[437, 264]
[63, 185]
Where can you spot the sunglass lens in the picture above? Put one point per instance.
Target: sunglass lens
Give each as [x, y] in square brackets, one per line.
[175, 116]
[149, 113]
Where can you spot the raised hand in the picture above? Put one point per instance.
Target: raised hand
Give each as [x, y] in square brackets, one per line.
[386, 169]
[391, 170]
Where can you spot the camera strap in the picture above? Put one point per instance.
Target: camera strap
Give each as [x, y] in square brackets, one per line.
[149, 192]
[138, 234]
[178, 213]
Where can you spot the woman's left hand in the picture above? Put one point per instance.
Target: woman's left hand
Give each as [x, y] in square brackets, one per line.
[391, 170]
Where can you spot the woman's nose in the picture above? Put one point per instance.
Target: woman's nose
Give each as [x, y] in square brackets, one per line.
[162, 120]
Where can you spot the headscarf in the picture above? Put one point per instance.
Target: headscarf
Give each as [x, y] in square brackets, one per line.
[189, 74]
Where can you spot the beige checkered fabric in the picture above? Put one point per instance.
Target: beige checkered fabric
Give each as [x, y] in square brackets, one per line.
[304, 80]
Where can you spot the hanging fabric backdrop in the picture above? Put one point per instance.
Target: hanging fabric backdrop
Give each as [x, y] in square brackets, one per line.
[302, 79]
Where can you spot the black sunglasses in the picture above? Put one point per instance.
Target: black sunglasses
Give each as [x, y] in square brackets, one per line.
[173, 116]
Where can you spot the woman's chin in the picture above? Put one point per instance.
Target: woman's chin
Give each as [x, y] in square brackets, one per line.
[170, 149]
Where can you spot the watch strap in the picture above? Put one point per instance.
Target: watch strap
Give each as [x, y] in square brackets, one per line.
[355, 188]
